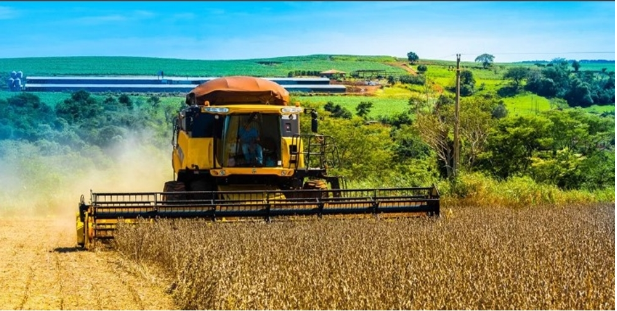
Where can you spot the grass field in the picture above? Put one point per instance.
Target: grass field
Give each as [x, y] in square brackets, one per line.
[276, 67]
[601, 109]
[586, 66]
[381, 106]
[526, 104]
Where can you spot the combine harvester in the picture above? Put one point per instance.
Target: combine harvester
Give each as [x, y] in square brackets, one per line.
[214, 179]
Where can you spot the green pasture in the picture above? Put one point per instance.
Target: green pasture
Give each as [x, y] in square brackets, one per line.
[526, 104]
[271, 67]
[597, 67]
[585, 66]
[381, 106]
[394, 92]
[601, 109]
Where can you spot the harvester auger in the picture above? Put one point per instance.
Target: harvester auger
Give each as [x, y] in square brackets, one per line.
[238, 154]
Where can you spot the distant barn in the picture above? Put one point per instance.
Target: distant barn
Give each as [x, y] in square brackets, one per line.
[333, 73]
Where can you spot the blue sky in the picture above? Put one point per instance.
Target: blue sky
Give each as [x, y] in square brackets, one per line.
[511, 31]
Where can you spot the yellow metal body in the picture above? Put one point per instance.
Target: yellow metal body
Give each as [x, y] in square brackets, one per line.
[197, 152]
[91, 229]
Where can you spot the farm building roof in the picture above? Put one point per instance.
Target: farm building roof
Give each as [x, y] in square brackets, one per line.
[331, 71]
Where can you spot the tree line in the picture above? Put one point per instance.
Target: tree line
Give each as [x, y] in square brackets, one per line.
[81, 120]
[569, 148]
[553, 80]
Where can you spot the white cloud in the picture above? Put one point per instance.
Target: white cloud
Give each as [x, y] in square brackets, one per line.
[144, 14]
[101, 19]
[115, 17]
[184, 16]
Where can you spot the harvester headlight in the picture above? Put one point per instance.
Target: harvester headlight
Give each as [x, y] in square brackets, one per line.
[222, 173]
[214, 109]
[291, 110]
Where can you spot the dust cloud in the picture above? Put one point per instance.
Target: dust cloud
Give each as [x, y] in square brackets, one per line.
[41, 181]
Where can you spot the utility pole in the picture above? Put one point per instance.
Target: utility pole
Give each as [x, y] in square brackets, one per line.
[456, 114]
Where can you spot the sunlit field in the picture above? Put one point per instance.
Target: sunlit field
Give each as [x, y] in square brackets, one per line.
[471, 258]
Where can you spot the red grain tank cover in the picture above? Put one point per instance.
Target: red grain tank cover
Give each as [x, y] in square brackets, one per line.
[238, 90]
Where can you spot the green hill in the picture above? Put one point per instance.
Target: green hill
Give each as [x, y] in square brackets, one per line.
[440, 75]
[271, 67]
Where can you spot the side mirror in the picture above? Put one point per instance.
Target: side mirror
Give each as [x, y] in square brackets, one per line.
[314, 123]
[190, 99]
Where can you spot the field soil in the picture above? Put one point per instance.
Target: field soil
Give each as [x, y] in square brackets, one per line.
[41, 268]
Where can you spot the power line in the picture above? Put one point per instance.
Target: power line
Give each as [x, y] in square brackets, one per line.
[446, 57]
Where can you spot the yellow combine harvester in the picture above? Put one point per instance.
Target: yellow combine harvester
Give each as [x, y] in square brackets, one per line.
[238, 153]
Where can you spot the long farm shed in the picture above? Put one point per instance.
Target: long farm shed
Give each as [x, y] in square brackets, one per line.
[160, 84]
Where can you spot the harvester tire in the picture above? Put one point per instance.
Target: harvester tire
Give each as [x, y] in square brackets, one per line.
[316, 184]
[174, 186]
[201, 185]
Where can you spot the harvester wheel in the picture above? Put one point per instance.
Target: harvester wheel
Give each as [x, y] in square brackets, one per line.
[316, 184]
[89, 233]
[81, 236]
[174, 186]
[201, 185]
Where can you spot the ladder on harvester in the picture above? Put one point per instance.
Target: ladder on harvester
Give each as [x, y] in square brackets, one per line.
[319, 153]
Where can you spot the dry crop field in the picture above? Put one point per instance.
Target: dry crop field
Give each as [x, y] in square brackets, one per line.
[471, 258]
[41, 269]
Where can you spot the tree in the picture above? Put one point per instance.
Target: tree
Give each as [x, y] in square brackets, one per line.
[422, 68]
[363, 109]
[435, 130]
[576, 65]
[396, 120]
[560, 62]
[516, 74]
[416, 103]
[354, 140]
[391, 80]
[412, 57]
[22, 115]
[500, 111]
[513, 142]
[476, 120]
[337, 111]
[485, 59]
[579, 94]
[80, 108]
[468, 83]
[413, 79]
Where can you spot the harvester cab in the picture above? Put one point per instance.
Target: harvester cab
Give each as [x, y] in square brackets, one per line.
[238, 152]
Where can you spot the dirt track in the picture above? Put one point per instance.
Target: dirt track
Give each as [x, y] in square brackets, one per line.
[40, 268]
